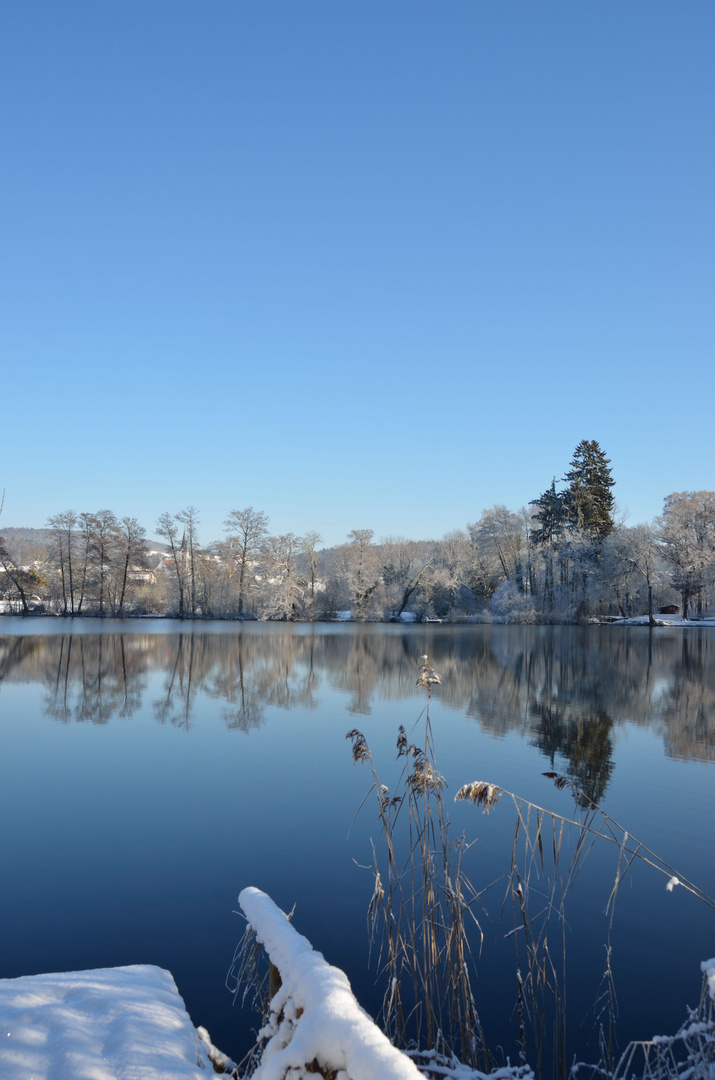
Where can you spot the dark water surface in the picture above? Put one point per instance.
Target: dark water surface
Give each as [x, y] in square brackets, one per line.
[149, 770]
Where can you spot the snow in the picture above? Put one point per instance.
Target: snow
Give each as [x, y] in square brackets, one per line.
[125, 1023]
[708, 969]
[437, 1065]
[130, 1023]
[314, 1015]
[662, 620]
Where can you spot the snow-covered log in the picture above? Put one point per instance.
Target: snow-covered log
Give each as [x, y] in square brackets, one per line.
[314, 1015]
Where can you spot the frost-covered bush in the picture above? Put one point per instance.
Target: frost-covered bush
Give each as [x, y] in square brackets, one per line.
[511, 605]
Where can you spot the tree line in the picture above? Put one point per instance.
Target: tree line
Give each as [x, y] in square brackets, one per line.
[562, 558]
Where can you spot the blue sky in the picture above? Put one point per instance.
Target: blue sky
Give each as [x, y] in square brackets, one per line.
[358, 264]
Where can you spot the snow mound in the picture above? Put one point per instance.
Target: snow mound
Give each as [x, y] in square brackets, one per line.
[314, 1015]
[126, 1023]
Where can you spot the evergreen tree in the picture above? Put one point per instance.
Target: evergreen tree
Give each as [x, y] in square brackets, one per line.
[588, 500]
[550, 514]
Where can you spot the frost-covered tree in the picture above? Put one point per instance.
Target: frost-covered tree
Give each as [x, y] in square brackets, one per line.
[83, 574]
[247, 532]
[167, 528]
[308, 545]
[85, 551]
[102, 535]
[500, 541]
[64, 534]
[580, 563]
[189, 518]
[361, 567]
[284, 590]
[404, 563]
[449, 574]
[132, 551]
[588, 499]
[687, 535]
[637, 562]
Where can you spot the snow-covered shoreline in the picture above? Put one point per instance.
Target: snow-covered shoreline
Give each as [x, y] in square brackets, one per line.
[10, 610]
[130, 1023]
[125, 1023]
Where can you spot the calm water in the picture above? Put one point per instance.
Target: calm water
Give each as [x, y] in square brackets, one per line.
[151, 770]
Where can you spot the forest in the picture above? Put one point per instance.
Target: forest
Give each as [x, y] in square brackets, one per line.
[563, 558]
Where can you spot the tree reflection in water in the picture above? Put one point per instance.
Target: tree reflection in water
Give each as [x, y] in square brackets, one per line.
[585, 743]
[565, 688]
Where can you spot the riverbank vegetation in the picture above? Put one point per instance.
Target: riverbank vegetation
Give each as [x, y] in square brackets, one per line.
[427, 913]
[563, 558]
[427, 918]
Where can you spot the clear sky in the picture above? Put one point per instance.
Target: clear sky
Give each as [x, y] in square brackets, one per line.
[356, 263]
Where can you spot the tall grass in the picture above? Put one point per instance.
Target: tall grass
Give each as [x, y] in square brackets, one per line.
[423, 911]
[548, 852]
[424, 914]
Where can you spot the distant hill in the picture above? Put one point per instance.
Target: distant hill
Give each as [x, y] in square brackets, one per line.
[23, 543]
[26, 545]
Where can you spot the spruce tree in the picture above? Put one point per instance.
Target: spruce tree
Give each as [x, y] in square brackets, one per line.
[550, 515]
[588, 500]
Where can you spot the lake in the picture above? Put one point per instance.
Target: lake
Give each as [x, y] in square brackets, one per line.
[151, 769]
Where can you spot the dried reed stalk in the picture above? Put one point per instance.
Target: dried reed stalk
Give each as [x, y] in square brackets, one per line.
[422, 906]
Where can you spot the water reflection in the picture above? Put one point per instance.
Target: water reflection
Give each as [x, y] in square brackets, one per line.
[586, 745]
[566, 691]
[564, 688]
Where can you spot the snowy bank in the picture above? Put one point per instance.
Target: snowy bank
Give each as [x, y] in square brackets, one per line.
[314, 1015]
[131, 1024]
[126, 1023]
[662, 620]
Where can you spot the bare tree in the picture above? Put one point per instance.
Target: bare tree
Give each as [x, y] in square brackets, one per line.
[189, 518]
[638, 550]
[208, 581]
[450, 572]
[502, 535]
[20, 578]
[488, 564]
[166, 526]
[104, 537]
[86, 527]
[284, 592]
[247, 532]
[687, 535]
[361, 566]
[132, 551]
[404, 562]
[63, 528]
[308, 549]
